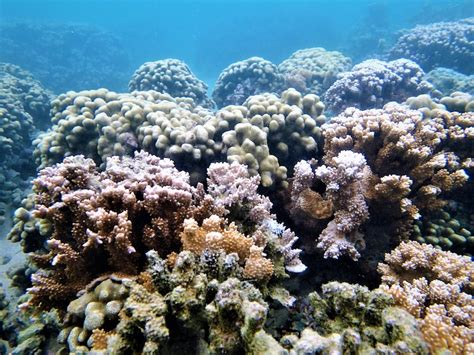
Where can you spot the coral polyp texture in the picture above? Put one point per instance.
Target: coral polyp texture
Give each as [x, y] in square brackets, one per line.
[101, 124]
[246, 78]
[88, 223]
[436, 288]
[441, 44]
[313, 70]
[448, 81]
[173, 77]
[384, 166]
[373, 83]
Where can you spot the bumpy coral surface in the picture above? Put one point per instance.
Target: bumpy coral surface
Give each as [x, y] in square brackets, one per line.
[436, 287]
[87, 223]
[173, 77]
[414, 164]
[373, 83]
[313, 70]
[246, 78]
[442, 44]
[100, 124]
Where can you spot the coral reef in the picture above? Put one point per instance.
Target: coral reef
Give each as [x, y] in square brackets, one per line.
[246, 78]
[66, 56]
[441, 44]
[435, 287]
[173, 77]
[448, 81]
[414, 164]
[86, 223]
[24, 107]
[313, 70]
[100, 124]
[373, 83]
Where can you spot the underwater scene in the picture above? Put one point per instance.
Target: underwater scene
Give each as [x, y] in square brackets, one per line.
[236, 177]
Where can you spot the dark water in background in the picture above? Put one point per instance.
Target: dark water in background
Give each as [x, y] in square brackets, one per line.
[210, 35]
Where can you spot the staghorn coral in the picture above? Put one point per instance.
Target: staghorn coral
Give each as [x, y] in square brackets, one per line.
[373, 83]
[313, 70]
[243, 79]
[436, 287]
[441, 44]
[173, 77]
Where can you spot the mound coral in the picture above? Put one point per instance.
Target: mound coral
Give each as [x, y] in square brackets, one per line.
[441, 44]
[373, 83]
[246, 78]
[173, 77]
[313, 70]
[448, 81]
[435, 287]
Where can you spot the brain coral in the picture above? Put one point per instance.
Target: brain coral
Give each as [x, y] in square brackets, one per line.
[246, 78]
[173, 77]
[373, 83]
[441, 44]
[313, 70]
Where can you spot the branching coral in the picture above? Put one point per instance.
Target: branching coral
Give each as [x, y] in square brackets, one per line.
[436, 287]
[173, 77]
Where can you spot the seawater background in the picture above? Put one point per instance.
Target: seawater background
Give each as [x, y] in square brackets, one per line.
[210, 35]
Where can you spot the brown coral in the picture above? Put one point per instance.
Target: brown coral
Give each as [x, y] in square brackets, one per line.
[257, 267]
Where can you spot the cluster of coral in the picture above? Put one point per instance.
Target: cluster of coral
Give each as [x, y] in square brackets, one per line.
[66, 56]
[442, 44]
[100, 124]
[155, 221]
[172, 77]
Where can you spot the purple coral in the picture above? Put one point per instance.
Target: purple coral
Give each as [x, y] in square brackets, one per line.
[373, 83]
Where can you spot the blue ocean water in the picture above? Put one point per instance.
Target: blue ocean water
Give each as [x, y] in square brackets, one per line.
[209, 35]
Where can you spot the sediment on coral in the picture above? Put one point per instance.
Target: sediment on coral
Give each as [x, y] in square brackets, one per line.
[373, 83]
[436, 288]
[313, 70]
[172, 77]
[441, 44]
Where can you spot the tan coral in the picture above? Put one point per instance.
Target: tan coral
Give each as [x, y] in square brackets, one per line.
[312, 203]
[257, 267]
[99, 339]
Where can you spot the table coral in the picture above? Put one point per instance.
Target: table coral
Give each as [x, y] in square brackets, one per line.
[173, 77]
[243, 79]
[313, 70]
[441, 44]
[373, 83]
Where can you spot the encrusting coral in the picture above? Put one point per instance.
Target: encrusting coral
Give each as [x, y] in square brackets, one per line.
[173, 77]
[435, 287]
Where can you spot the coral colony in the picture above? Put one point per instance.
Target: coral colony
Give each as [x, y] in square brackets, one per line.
[164, 220]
